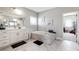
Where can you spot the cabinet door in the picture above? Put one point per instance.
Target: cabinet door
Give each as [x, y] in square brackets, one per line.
[20, 35]
[13, 37]
[4, 38]
[26, 36]
[4, 42]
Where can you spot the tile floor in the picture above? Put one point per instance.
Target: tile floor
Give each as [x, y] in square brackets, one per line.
[57, 45]
[69, 36]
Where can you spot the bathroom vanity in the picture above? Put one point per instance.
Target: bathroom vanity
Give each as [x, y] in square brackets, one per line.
[12, 36]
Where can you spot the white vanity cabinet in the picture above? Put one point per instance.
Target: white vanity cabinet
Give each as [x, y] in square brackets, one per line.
[4, 38]
[20, 35]
[8, 37]
[13, 36]
[25, 35]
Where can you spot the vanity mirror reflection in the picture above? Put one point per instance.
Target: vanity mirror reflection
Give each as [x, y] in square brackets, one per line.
[11, 22]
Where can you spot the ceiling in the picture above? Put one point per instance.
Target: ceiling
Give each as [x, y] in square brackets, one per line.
[4, 9]
[35, 9]
[39, 9]
[12, 11]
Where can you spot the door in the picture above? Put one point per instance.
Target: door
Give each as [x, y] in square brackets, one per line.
[70, 26]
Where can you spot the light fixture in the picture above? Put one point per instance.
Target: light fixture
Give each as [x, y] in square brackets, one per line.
[18, 11]
[5, 20]
[14, 19]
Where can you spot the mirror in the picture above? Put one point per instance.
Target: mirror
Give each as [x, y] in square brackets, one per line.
[8, 21]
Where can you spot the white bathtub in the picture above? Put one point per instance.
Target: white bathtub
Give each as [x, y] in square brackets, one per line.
[46, 37]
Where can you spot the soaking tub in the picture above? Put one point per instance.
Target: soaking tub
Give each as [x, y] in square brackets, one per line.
[43, 36]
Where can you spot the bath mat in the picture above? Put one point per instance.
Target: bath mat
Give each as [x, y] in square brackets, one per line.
[38, 42]
[18, 44]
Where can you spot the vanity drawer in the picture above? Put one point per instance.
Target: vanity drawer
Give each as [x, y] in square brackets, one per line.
[4, 37]
[4, 32]
[4, 43]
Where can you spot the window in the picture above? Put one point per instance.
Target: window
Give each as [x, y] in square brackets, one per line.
[41, 21]
[33, 20]
[68, 23]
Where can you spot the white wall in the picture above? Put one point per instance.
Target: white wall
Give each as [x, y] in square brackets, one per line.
[57, 15]
[78, 28]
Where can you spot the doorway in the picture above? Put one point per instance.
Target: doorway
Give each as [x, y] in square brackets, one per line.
[69, 26]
